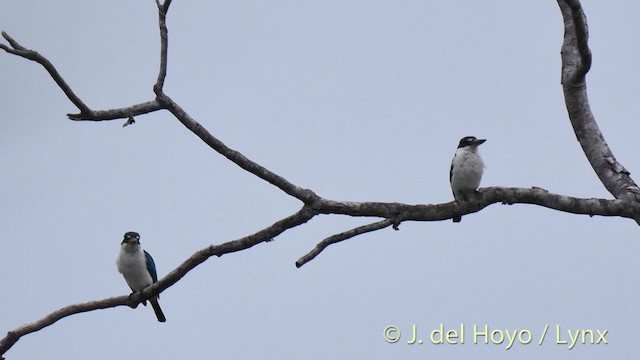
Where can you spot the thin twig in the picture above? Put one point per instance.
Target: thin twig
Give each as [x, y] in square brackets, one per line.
[32, 55]
[164, 45]
[343, 236]
[582, 39]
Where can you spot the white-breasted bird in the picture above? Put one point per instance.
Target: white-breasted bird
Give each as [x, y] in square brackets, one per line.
[466, 169]
[138, 268]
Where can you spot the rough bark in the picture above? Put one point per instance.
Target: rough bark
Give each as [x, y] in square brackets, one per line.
[576, 62]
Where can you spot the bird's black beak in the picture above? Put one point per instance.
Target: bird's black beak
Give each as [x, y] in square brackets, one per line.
[479, 141]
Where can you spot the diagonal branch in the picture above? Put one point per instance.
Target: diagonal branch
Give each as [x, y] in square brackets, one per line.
[576, 62]
[19, 50]
[266, 234]
[343, 236]
[305, 195]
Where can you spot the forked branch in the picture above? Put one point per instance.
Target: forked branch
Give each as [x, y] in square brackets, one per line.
[576, 59]
[395, 213]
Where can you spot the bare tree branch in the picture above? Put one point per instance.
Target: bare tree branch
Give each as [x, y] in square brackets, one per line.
[163, 101]
[576, 62]
[266, 234]
[19, 50]
[114, 114]
[485, 197]
[85, 112]
[305, 195]
[164, 45]
[343, 236]
[14, 335]
[395, 213]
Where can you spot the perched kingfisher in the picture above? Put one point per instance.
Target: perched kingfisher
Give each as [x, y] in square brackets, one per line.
[466, 169]
[138, 269]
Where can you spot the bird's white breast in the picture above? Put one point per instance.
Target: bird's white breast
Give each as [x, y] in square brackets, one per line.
[466, 172]
[132, 263]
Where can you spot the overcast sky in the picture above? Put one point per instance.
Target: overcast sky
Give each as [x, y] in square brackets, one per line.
[356, 100]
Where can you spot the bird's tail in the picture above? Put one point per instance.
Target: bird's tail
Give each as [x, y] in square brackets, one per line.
[157, 309]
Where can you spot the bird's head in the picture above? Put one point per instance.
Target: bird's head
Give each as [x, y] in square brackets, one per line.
[131, 237]
[470, 141]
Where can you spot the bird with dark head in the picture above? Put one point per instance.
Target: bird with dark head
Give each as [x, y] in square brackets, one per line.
[138, 268]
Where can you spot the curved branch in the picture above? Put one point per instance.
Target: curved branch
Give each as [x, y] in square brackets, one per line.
[164, 45]
[19, 50]
[344, 236]
[266, 234]
[578, 36]
[576, 62]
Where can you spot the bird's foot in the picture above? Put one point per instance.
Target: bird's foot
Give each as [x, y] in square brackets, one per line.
[135, 298]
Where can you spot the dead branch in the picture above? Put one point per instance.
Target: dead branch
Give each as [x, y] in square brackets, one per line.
[266, 234]
[341, 237]
[485, 197]
[576, 62]
[164, 45]
[14, 335]
[19, 50]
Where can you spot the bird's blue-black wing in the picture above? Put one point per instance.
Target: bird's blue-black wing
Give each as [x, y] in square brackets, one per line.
[451, 171]
[151, 266]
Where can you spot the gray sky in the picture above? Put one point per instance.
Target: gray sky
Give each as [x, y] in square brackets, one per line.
[357, 100]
